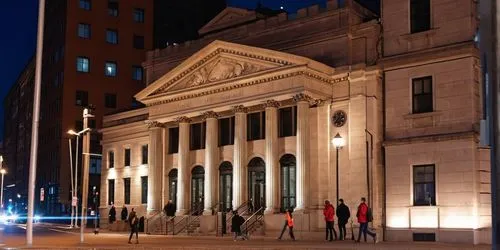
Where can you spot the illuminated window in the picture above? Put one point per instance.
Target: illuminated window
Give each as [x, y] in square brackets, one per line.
[288, 182]
[111, 192]
[85, 4]
[424, 185]
[84, 30]
[82, 64]
[110, 69]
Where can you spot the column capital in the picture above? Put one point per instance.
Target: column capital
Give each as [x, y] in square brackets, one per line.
[240, 109]
[153, 124]
[183, 119]
[209, 115]
[301, 97]
[271, 104]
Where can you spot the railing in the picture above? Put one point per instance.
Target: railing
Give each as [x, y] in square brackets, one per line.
[242, 210]
[187, 221]
[252, 221]
[152, 219]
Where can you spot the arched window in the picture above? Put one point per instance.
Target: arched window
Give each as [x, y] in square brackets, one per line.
[226, 186]
[288, 182]
[197, 188]
[257, 183]
[172, 185]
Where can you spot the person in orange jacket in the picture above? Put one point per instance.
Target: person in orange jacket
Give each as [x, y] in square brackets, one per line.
[329, 213]
[288, 223]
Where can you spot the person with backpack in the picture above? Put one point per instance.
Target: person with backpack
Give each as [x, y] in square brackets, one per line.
[364, 216]
[133, 222]
[343, 215]
[329, 213]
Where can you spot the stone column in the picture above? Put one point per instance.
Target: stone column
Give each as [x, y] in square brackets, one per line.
[272, 165]
[302, 148]
[183, 181]
[239, 155]
[155, 166]
[211, 159]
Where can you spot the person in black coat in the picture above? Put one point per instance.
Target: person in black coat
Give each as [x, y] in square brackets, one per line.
[236, 223]
[112, 214]
[124, 213]
[133, 222]
[169, 209]
[343, 215]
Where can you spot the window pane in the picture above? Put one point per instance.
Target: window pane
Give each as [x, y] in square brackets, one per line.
[110, 69]
[286, 123]
[173, 140]
[127, 157]
[420, 15]
[84, 30]
[111, 192]
[138, 42]
[82, 64]
[110, 100]
[112, 8]
[422, 95]
[427, 85]
[145, 154]
[137, 73]
[138, 15]
[417, 87]
[144, 189]
[112, 36]
[85, 4]
[424, 185]
[111, 159]
[126, 186]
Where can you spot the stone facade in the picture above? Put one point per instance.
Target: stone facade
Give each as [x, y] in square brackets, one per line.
[319, 62]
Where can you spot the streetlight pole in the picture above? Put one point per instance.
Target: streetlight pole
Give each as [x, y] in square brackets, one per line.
[35, 122]
[85, 171]
[2, 171]
[338, 142]
[71, 132]
[72, 184]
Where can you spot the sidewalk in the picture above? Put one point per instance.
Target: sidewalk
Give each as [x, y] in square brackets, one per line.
[70, 240]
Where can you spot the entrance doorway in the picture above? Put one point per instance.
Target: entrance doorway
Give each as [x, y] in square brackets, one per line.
[256, 184]
[172, 186]
[197, 189]
[226, 186]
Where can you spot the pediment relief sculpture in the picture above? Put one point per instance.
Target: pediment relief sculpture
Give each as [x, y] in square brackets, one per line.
[218, 70]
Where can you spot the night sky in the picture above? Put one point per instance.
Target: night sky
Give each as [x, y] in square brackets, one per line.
[18, 21]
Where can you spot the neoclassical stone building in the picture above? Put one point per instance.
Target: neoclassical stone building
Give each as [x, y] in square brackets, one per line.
[247, 114]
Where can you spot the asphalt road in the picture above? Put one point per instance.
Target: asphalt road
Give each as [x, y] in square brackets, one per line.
[48, 236]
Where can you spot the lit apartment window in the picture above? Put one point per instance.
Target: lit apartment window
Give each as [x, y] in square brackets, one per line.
[127, 157]
[112, 36]
[113, 7]
[126, 188]
[226, 131]
[111, 192]
[110, 69]
[137, 73]
[110, 100]
[84, 30]
[82, 64]
[197, 133]
[85, 4]
[420, 15]
[256, 126]
[422, 95]
[173, 140]
[138, 15]
[144, 189]
[145, 154]
[424, 185]
[82, 98]
[287, 121]
[111, 159]
[138, 42]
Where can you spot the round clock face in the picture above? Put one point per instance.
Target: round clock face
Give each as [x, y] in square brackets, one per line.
[339, 118]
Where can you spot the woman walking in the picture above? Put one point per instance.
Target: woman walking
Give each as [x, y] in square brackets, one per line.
[289, 223]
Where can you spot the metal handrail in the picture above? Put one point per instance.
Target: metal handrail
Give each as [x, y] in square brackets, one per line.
[159, 213]
[242, 209]
[258, 215]
[197, 213]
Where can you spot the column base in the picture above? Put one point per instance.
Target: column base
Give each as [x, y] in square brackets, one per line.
[181, 212]
[207, 212]
[300, 211]
[270, 211]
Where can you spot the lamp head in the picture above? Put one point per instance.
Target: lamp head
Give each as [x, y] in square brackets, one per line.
[72, 132]
[3, 171]
[338, 141]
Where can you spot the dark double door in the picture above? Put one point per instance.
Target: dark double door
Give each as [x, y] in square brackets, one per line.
[257, 184]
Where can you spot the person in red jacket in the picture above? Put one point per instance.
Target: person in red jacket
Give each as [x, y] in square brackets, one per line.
[363, 218]
[329, 213]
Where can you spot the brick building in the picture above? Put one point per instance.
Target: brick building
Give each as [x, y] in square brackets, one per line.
[244, 117]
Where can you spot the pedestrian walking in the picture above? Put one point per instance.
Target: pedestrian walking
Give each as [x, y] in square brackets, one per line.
[364, 216]
[124, 213]
[236, 223]
[343, 216]
[329, 213]
[133, 222]
[288, 223]
[169, 209]
[112, 214]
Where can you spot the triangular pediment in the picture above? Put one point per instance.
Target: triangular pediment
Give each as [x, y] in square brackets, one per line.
[228, 17]
[219, 63]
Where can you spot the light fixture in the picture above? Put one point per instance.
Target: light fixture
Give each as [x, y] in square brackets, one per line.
[3, 171]
[338, 141]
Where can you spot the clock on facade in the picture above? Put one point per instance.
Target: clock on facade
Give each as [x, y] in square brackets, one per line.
[339, 118]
